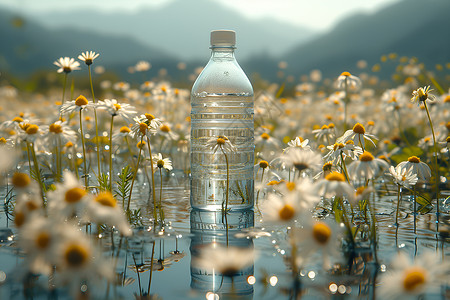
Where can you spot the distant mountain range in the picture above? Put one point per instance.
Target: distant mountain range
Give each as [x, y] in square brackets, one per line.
[408, 28]
[181, 28]
[179, 31]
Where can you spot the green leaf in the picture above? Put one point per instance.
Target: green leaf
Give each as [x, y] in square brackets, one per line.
[406, 153]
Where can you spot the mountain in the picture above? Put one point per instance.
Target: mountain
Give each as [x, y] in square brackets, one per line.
[408, 28]
[27, 46]
[181, 28]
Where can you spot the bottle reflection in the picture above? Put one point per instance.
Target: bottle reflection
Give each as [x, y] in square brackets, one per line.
[220, 262]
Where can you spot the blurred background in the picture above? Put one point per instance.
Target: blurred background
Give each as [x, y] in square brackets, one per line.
[276, 40]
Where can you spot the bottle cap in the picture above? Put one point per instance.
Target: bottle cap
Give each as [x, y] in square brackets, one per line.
[223, 38]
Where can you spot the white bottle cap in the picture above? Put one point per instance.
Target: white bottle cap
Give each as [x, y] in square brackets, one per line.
[225, 38]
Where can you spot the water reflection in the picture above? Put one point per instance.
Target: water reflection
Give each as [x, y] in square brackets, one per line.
[214, 232]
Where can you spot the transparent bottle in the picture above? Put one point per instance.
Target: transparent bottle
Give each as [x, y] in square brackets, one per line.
[222, 106]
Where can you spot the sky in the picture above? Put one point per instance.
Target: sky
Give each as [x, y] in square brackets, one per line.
[314, 14]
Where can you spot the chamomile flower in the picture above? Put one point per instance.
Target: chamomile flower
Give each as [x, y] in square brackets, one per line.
[161, 163]
[421, 169]
[407, 279]
[142, 66]
[422, 94]
[30, 132]
[145, 124]
[402, 176]
[340, 150]
[67, 64]
[303, 160]
[167, 132]
[103, 209]
[334, 184]
[220, 142]
[317, 236]
[367, 167]
[59, 132]
[75, 105]
[228, 261]
[124, 110]
[357, 135]
[278, 209]
[298, 142]
[69, 199]
[88, 57]
[348, 80]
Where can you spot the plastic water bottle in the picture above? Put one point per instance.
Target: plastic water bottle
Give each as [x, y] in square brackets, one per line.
[222, 106]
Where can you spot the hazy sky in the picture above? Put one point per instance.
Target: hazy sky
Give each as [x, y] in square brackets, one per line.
[316, 14]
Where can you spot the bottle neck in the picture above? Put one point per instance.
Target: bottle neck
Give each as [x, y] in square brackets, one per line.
[222, 52]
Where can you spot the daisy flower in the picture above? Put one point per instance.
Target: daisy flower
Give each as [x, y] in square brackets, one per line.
[303, 160]
[145, 124]
[59, 132]
[409, 279]
[339, 150]
[30, 132]
[142, 66]
[161, 163]
[278, 209]
[124, 110]
[220, 142]
[367, 167]
[317, 236]
[325, 133]
[67, 64]
[334, 184]
[167, 132]
[348, 80]
[421, 169]
[75, 105]
[402, 176]
[228, 261]
[357, 135]
[88, 57]
[298, 142]
[103, 209]
[422, 94]
[69, 199]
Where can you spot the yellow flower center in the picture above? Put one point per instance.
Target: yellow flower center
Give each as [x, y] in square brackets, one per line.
[117, 106]
[43, 240]
[366, 156]
[81, 100]
[125, 129]
[164, 128]
[76, 256]
[20, 180]
[32, 129]
[331, 125]
[143, 128]
[371, 123]
[422, 94]
[290, 186]
[338, 146]
[220, 141]
[287, 212]
[263, 164]
[447, 99]
[321, 233]
[149, 117]
[335, 176]
[19, 218]
[324, 127]
[74, 195]
[140, 144]
[414, 159]
[106, 199]
[350, 142]
[160, 163]
[68, 144]
[55, 128]
[327, 166]
[359, 128]
[265, 136]
[17, 119]
[347, 74]
[360, 190]
[2, 140]
[414, 278]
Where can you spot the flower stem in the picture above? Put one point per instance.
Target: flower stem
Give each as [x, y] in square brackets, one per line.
[97, 141]
[399, 191]
[161, 212]
[110, 154]
[86, 183]
[415, 208]
[257, 193]
[153, 179]
[38, 173]
[134, 177]
[228, 179]
[435, 159]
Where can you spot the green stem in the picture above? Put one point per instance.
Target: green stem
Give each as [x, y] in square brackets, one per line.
[97, 140]
[257, 193]
[344, 168]
[346, 221]
[134, 177]
[398, 205]
[228, 179]
[161, 212]
[153, 179]
[86, 183]
[435, 159]
[38, 173]
[151, 269]
[415, 208]
[110, 154]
